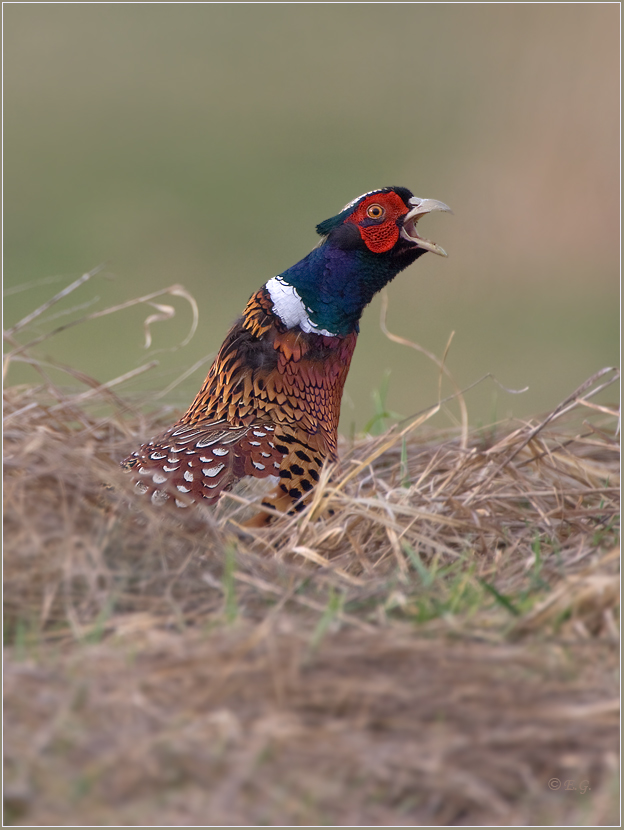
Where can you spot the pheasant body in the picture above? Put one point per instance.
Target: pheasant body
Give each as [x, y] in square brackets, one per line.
[270, 403]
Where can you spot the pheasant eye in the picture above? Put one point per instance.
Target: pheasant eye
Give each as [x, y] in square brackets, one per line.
[375, 212]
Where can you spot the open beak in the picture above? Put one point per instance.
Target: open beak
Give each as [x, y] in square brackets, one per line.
[408, 231]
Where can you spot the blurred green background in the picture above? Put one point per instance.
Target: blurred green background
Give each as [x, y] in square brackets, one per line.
[200, 144]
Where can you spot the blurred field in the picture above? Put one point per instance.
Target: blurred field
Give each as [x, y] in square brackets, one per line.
[200, 144]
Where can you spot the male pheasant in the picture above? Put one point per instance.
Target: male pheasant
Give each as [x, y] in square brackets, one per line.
[271, 401]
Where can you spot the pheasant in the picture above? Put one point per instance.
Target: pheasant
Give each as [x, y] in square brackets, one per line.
[271, 401]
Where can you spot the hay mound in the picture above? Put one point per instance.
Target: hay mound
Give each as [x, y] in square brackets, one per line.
[431, 642]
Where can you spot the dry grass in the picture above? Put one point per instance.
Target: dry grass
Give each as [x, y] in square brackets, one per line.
[431, 642]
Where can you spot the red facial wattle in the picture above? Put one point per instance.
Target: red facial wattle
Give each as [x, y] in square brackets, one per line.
[383, 236]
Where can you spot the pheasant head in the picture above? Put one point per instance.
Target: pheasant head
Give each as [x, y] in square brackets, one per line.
[363, 247]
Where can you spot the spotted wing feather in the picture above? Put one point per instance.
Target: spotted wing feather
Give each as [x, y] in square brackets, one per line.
[197, 463]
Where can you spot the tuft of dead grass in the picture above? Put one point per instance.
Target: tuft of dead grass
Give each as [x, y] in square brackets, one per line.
[432, 641]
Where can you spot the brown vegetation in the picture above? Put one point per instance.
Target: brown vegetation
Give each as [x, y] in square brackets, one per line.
[431, 642]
